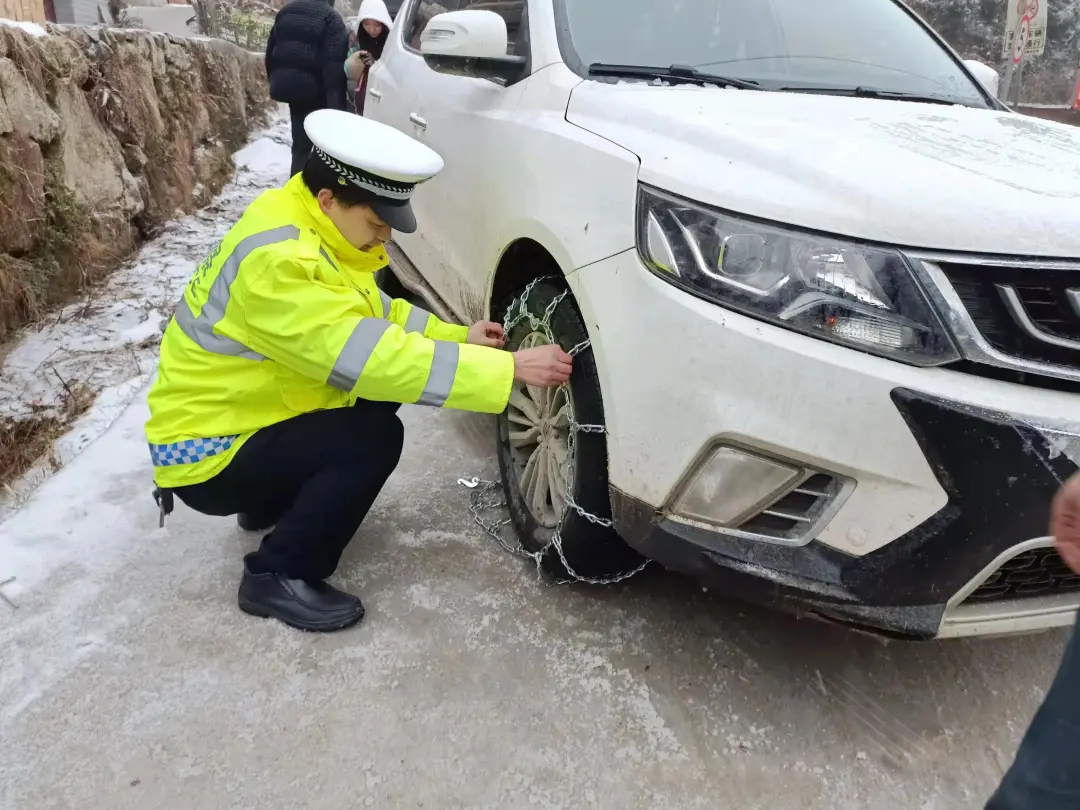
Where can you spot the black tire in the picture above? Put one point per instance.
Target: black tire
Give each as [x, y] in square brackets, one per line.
[592, 550]
[389, 284]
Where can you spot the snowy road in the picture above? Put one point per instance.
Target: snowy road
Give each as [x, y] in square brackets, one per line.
[128, 678]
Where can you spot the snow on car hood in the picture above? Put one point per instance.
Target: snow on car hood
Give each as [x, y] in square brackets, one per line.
[917, 175]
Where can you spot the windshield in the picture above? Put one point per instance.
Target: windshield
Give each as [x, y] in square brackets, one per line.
[822, 45]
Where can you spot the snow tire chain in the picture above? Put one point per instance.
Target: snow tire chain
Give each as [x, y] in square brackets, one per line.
[484, 496]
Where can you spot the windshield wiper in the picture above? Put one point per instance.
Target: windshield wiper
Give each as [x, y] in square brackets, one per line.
[680, 74]
[870, 92]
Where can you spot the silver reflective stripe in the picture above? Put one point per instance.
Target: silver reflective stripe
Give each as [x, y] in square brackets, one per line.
[214, 308]
[326, 256]
[356, 352]
[387, 302]
[201, 329]
[417, 320]
[441, 379]
[205, 337]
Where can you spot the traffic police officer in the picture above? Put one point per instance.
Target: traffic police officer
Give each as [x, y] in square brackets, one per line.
[283, 367]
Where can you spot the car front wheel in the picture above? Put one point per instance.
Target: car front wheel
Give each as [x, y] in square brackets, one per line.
[553, 452]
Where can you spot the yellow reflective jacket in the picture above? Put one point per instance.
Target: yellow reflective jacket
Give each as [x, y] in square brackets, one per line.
[283, 318]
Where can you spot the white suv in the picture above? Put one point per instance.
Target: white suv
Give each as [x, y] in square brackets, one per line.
[831, 284]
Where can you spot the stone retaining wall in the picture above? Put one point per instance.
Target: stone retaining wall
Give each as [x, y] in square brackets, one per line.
[104, 135]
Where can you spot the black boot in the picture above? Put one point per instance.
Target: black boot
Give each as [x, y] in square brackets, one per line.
[313, 606]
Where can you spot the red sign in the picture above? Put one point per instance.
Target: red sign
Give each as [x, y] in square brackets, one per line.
[1076, 95]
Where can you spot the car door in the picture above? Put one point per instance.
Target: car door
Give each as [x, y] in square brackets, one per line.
[470, 122]
[385, 101]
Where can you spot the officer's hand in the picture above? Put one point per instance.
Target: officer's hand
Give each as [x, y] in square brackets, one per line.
[542, 366]
[486, 333]
[1065, 522]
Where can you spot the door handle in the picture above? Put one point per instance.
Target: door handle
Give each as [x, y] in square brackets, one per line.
[416, 119]
[375, 94]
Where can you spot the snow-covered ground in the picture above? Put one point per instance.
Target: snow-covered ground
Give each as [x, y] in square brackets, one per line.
[108, 340]
[33, 29]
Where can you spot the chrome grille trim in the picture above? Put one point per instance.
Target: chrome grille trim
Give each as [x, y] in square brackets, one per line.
[1019, 314]
[981, 578]
[801, 507]
[977, 260]
[964, 617]
[969, 340]
[1074, 299]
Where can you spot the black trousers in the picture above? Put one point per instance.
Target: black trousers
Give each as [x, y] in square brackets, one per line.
[301, 143]
[315, 476]
[1046, 772]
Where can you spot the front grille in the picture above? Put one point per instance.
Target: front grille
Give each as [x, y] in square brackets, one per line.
[795, 514]
[1040, 572]
[1048, 298]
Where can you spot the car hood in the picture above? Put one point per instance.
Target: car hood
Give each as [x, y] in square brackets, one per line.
[917, 175]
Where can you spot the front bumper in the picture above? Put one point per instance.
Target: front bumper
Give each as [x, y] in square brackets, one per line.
[1000, 475]
[953, 474]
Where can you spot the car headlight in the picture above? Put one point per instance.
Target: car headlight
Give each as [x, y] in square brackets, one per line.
[863, 297]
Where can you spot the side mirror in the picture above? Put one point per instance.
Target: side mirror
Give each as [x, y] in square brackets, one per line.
[471, 43]
[987, 76]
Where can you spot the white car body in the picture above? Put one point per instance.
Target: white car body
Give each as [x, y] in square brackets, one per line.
[557, 158]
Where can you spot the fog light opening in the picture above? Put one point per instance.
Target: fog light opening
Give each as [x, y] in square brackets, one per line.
[733, 485]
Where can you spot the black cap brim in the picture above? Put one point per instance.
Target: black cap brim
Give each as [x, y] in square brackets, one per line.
[398, 217]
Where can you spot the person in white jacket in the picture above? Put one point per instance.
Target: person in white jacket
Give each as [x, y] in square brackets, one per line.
[372, 31]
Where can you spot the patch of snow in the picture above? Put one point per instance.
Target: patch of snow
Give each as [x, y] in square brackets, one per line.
[80, 524]
[1063, 442]
[108, 341]
[33, 29]
[270, 153]
[106, 408]
[75, 512]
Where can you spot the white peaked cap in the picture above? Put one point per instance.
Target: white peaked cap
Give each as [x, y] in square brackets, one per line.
[375, 157]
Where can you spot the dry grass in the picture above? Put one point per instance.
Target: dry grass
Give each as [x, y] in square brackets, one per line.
[24, 441]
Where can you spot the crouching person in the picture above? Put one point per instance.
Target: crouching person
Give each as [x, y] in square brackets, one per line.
[284, 365]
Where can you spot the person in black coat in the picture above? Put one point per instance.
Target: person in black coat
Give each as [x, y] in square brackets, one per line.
[305, 50]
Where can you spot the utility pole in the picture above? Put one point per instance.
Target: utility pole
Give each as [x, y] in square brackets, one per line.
[1016, 58]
